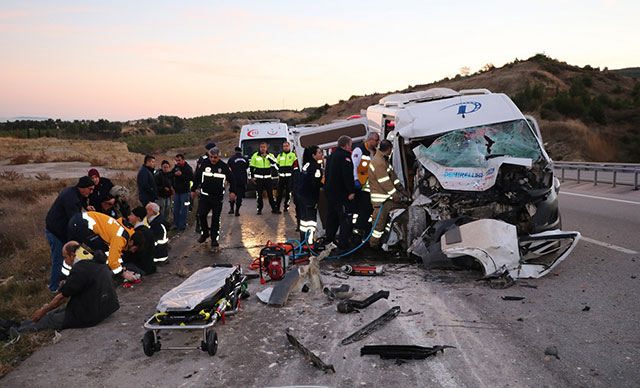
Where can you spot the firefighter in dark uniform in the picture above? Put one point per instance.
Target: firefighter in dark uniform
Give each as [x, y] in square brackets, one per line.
[200, 160]
[238, 165]
[361, 156]
[209, 181]
[261, 164]
[308, 192]
[287, 163]
[340, 191]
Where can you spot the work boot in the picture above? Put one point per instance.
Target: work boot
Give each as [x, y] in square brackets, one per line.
[202, 238]
[230, 207]
[259, 212]
[276, 211]
[214, 243]
[237, 211]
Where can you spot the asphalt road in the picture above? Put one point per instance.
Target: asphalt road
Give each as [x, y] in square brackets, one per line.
[498, 343]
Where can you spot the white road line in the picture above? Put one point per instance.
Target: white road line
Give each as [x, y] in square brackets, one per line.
[596, 197]
[610, 246]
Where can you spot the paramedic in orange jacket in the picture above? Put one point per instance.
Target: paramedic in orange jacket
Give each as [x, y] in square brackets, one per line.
[101, 232]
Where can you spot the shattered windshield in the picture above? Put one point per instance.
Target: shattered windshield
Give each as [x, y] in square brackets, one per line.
[472, 147]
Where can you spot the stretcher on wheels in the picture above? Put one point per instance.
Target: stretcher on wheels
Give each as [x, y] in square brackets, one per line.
[198, 303]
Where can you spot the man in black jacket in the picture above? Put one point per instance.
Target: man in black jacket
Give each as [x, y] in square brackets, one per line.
[340, 191]
[69, 202]
[211, 176]
[147, 189]
[238, 165]
[182, 179]
[89, 289]
[164, 182]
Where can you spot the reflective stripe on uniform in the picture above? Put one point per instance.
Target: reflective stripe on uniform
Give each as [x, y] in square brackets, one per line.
[378, 198]
[261, 176]
[90, 220]
[376, 234]
[164, 238]
[117, 270]
[120, 232]
[396, 181]
[371, 167]
[392, 191]
[285, 174]
[66, 268]
[221, 176]
[160, 259]
[384, 179]
[305, 224]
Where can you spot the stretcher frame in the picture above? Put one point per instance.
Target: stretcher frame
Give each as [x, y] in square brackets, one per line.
[221, 309]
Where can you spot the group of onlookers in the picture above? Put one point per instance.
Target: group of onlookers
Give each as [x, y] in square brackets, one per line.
[165, 184]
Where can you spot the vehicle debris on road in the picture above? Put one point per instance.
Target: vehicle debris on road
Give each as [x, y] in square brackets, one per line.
[372, 326]
[508, 297]
[404, 352]
[315, 360]
[351, 305]
[343, 291]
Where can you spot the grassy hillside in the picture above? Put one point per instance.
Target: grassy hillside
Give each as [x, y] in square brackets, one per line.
[633, 72]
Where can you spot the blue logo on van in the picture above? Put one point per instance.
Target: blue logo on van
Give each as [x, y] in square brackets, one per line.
[465, 107]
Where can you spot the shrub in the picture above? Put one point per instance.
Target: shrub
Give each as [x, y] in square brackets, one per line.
[530, 97]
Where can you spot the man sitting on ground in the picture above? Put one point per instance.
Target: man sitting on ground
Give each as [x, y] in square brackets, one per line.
[89, 289]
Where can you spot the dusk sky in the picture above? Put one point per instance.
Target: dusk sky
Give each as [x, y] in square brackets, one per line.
[123, 60]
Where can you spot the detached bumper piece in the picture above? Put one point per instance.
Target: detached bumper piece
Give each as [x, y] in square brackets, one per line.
[403, 352]
[315, 360]
[372, 326]
[350, 305]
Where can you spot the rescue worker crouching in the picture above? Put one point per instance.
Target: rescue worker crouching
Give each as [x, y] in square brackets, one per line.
[210, 178]
[141, 261]
[385, 187]
[261, 164]
[158, 226]
[100, 232]
[287, 163]
[308, 192]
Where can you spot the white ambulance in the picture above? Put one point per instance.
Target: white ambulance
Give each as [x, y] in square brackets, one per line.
[271, 131]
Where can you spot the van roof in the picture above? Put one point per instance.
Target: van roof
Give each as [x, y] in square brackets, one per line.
[444, 115]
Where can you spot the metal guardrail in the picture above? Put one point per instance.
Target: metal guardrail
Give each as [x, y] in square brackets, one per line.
[613, 169]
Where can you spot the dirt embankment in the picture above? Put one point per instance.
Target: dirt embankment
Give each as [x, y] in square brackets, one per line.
[44, 150]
